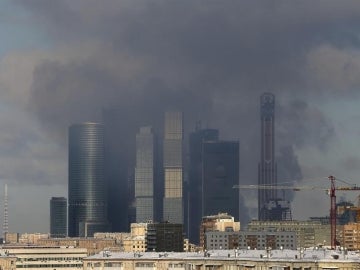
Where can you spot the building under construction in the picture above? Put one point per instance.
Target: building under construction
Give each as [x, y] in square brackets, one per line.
[270, 206]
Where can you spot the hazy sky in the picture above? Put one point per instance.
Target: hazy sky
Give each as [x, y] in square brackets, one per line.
[64, 61]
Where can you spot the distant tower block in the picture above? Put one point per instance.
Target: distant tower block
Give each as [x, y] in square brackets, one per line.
[6, 215]
[270, 207]
[267, 165]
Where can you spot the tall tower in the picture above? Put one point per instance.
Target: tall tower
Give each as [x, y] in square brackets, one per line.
[144, 175]
[267, 165]
[196, 141]
[6, 214]
[58, 217]
[87, 187]
[173, 167]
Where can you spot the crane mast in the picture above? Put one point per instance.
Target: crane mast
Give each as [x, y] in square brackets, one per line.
[332, 212]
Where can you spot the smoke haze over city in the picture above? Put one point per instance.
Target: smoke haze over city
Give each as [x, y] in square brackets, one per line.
[64, 62]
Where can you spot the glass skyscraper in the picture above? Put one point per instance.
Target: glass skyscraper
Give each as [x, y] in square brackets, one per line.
[220, 172]
[173, 167]
[58, 217]
[196, 141]
[144, 175]
[86, 187]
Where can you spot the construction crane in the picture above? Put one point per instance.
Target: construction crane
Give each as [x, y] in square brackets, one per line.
[331, 192]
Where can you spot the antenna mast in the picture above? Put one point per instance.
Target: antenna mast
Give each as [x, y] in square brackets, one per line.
[6, 217]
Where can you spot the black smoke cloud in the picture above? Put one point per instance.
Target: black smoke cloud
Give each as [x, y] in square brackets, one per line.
[210, 59]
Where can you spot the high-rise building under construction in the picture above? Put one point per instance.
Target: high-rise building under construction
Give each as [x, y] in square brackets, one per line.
[270, 207]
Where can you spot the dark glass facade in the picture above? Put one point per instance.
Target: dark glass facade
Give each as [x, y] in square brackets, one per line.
[87, 187]
[165, 236]
[196, 141]
[267, 165]
[220, 168]
[58, 217]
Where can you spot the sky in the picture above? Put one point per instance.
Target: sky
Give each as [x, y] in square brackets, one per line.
[64, 61]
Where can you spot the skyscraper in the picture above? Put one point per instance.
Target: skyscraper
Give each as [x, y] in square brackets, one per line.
[144, 175]
[267, 165]
[220, 168]
[196, 141]
[173, 167]
[87, 187]
[58, 217]
[270, 206]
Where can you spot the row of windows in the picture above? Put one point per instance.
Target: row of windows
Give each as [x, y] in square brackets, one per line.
[50, 259]
[246, 236]
[50, 266]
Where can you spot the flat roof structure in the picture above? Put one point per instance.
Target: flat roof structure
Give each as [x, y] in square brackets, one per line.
[223, 259]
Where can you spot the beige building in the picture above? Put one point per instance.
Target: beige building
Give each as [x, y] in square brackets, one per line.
[7, 262]
[308, 233]
[118, 236]
[12, 238]
[319, 259]
[351, 236]
[92, 245]
[221, 222]
[46, 258]
[136, 241]
[32, 238]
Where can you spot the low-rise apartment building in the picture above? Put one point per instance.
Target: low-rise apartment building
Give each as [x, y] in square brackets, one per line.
[46, 258]
[313, 259]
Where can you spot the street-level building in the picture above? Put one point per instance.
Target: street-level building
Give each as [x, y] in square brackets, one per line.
[308, 233]
[250, 240]
[7, 262]
[92, 245]
[351, 236]
[309, 259]
[46, 258]
[220, 222]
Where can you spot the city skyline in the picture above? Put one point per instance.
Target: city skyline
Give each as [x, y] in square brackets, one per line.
[66, 62]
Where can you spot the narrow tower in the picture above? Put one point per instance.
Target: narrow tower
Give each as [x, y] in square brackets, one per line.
[267, 165]
[144, 175]
[173, 167]
[270, 206]
[6, 216]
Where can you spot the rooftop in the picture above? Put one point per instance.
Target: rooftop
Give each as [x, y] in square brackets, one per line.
[310, 255]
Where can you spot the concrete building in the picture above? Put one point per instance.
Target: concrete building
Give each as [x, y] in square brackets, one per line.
[87, 187]
[173, 168]
[118, 237]
[144, 175]
[226, 260]
[136, 241]
[351, 236]
[308, 233]
[58, 217]
[221, 222]
[11, 238]
[46, 258]
[32, 238]
[92, 245]
[7, 262]
[250, 240]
